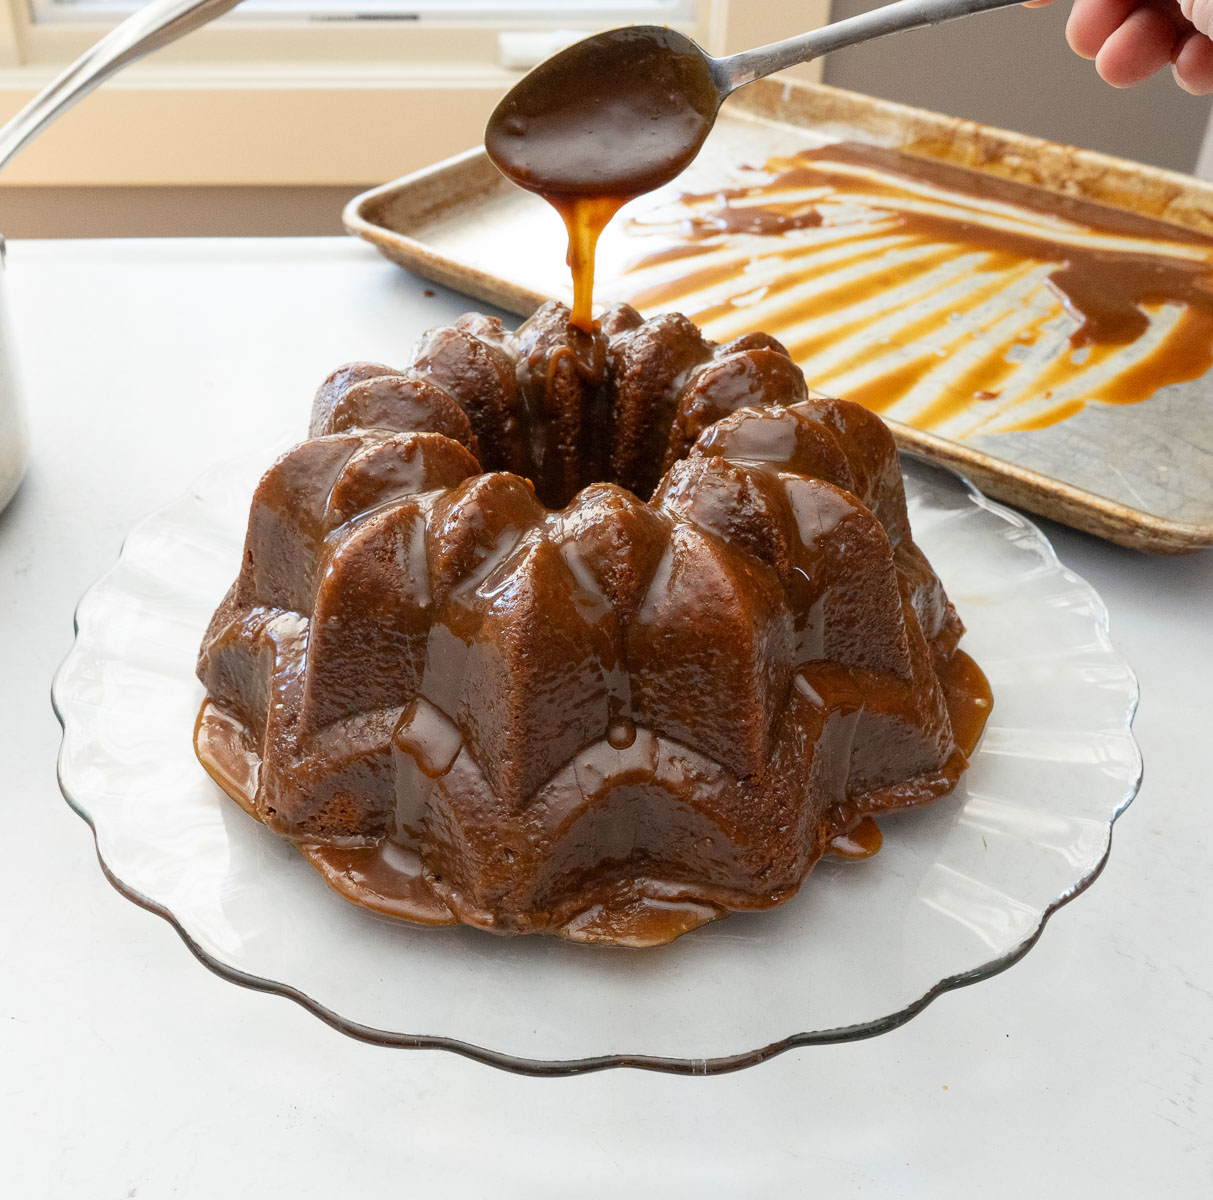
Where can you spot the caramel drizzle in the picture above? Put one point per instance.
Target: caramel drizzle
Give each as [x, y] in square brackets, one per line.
[951, 300]
[585, 217]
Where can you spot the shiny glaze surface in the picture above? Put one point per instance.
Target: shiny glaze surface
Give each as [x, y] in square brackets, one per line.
[556, 707]
[388, 876]
[871, 255]
[602, 122]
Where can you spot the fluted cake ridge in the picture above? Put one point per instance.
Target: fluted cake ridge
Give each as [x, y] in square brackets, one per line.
[597, 634]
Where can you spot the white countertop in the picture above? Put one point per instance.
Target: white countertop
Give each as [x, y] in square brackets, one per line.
[128, 1070]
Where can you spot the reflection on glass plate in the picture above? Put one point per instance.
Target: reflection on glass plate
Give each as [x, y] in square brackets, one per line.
[959, 891]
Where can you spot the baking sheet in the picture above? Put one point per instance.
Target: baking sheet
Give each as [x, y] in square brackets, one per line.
[1140, 474]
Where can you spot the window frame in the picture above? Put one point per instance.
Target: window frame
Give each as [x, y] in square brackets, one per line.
[425, 87]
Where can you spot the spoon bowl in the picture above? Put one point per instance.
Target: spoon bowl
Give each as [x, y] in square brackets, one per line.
[623, 112]
[617, 114]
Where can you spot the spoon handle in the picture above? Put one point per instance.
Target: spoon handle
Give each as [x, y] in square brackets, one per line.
[150, 27]
[739, 69]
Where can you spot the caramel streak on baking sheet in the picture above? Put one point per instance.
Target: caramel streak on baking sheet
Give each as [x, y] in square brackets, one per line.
[947, 299]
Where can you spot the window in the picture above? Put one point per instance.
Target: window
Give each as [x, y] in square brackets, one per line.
[324, 92]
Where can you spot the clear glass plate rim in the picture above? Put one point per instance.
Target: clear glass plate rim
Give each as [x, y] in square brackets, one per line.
[527, 1065]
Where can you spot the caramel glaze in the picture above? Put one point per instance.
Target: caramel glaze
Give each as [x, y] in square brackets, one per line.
[1105, 288]
[970, 702]
[861, 842]
[387, 877]
[602, 122]
[556, 707]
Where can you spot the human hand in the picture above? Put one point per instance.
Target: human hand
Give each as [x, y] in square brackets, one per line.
[1132, 39]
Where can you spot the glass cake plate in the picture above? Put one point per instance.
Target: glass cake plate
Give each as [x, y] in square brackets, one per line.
[959, 891]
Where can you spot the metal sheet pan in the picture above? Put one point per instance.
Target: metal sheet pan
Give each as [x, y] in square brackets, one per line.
[1140, 475]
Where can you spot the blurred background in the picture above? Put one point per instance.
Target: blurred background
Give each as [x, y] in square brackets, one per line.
[269, 120]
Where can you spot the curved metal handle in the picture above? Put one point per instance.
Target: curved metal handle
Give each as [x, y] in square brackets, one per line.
[739, 69]
[153, 26]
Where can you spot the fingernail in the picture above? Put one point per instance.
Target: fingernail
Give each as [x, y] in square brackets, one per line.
[1179, 81]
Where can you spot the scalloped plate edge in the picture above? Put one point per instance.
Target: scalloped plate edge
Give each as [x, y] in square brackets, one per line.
[522, 1065]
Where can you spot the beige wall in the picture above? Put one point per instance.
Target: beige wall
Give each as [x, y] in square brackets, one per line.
[51, 212]
[1013, 68]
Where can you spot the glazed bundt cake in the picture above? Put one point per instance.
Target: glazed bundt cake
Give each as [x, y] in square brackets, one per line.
[602, 635]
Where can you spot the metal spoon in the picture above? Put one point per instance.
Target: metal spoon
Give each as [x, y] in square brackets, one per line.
[739, 69]
[623, 112]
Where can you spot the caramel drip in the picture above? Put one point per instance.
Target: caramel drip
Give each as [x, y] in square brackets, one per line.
[969, 701]
[861, 842]
[969, 698]
[585, 217]
[878, 308]
[387, 877]
[602, 122]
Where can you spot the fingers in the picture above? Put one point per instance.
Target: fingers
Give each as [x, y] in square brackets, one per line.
[1038, 3]
[1132, 39]
[1200, 13]
[1193, 66]
[1141, 46]
[1092, 22]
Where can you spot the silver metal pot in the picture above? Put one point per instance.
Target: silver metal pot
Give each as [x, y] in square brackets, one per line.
[14, 432]
[153, 26]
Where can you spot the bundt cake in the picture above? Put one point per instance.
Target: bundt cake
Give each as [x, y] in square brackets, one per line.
[603, 635]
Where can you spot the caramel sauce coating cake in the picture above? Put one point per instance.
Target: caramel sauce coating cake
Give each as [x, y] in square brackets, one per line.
[603, 635]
